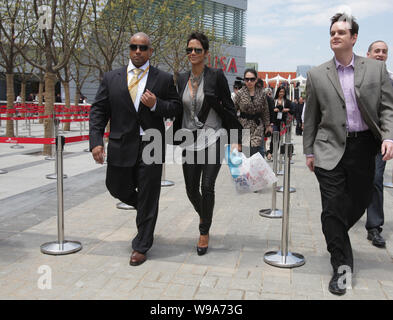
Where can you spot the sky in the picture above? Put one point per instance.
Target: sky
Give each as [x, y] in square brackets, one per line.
[283, 34]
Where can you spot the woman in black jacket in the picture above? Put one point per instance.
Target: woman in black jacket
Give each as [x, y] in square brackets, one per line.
[208, 112]
[279, 110]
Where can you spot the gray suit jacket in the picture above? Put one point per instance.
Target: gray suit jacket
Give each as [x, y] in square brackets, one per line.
[325, 115]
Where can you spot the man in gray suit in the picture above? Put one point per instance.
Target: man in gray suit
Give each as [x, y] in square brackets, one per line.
[348, 118]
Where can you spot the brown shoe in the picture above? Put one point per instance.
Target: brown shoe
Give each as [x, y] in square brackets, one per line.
[137, 258]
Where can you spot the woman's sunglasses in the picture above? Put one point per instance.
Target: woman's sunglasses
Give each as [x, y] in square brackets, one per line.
[197, 50]
[249, 79]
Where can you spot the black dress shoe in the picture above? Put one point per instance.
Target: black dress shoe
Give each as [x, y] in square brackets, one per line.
[375, 236]
[334, 285]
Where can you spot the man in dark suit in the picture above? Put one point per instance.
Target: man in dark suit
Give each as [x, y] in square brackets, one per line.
[348, 118]
[378, 50]
[135, 98]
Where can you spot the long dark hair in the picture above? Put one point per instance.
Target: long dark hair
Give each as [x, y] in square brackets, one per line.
[278, 91]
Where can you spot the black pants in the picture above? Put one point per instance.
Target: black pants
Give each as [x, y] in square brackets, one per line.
[200, 179]
[346, 192]
[299, 129]
[375, 214]
[138, 186]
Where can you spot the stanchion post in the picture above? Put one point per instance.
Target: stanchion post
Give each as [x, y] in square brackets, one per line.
[61, 246]
[16, 146]
[164, 182]
[53, 176]
[288, 140]
[273, 212]
[284, 258]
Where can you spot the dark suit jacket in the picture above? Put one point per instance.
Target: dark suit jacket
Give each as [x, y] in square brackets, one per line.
[217, 96]
[113, 102]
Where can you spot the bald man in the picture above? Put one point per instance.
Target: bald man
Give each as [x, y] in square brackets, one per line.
[377, 50]
[135, 98]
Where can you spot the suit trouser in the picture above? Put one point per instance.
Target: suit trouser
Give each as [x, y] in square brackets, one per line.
[375, 214]
[138, 186]
[346, 192]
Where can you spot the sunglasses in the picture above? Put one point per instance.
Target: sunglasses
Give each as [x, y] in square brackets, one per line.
[249, 79]
[197, 50]
[134, 47]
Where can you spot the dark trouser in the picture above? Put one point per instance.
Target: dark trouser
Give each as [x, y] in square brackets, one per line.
[299, 130]
[138, 186]
[375, 215]
[201, 194]
[346, 193]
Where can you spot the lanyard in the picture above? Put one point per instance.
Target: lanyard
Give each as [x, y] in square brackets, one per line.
[132, 85]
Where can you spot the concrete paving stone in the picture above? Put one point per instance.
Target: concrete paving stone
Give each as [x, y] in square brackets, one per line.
[187, 279]
[275, 287]
[274, 296]
[208, 281]
[235, 295]
[174, 290]
[147, 293]
[252, 295]
[205, 293]
[245, 284]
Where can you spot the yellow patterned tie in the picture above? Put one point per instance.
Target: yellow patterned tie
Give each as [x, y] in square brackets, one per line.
[133, 87]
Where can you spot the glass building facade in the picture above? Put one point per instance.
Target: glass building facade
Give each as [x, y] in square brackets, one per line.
[228, 21]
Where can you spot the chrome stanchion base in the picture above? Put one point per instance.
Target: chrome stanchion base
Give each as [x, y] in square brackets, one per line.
[276, 259]
[53, 176]
[269, 213]
[388, 184]
[50, 158]
[17, 146]
[56, 248]
[167, 183]
[3, 171]
[123, 206]
[281, 189]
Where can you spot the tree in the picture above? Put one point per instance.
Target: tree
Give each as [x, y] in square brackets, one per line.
[11, 29]
[55, 24]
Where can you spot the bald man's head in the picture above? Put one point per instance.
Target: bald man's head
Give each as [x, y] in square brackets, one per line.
[140, 49]
[141, 35]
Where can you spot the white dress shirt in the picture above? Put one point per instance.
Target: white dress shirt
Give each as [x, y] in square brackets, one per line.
[141, 85]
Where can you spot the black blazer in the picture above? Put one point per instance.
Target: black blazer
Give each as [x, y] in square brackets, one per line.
[217, 96]
[113, 102]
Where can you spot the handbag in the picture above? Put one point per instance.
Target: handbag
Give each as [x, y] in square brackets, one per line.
[249, 174]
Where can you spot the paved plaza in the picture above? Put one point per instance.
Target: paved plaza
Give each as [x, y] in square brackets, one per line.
[232, 269]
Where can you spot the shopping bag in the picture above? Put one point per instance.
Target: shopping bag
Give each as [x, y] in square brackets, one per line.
[249, 174]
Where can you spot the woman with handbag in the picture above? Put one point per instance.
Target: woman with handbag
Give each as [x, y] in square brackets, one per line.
[280, 109]
[208, 111]
[253, 111]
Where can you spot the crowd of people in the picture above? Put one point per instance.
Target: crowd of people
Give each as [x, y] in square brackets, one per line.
[346, 120]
